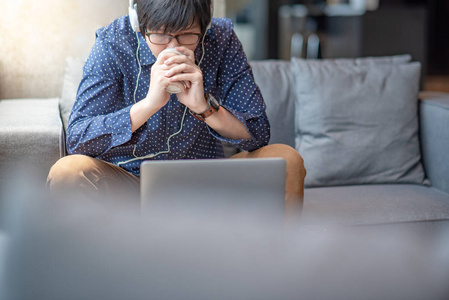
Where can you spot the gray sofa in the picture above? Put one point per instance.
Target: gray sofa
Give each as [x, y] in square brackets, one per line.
[376, 185]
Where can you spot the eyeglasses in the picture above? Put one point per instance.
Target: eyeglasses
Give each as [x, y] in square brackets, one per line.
[182, 39]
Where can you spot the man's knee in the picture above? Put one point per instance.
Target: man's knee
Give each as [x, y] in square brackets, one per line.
[293, 159]
[67, 170]
[291, 156]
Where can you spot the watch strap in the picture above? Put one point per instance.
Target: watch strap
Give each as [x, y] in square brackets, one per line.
[208, 112]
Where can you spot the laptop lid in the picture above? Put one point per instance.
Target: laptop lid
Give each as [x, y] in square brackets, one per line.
[250, 187]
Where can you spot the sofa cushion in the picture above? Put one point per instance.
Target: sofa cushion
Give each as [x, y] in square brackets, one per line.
[356, 120]
[275, 81]
[434, 130]
[72, 79]
[375, 204]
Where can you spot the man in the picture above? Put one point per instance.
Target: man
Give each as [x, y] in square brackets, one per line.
[123, 113]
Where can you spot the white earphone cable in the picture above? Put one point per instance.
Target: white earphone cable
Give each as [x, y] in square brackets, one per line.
[140, 67]
[159, 153]
[202, 46]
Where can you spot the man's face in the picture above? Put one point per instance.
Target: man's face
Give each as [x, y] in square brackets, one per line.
[154, 38]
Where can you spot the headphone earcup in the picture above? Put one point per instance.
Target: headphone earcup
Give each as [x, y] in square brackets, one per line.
[133, 19]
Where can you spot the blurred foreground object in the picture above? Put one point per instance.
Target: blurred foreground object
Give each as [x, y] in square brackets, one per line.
[81, 251]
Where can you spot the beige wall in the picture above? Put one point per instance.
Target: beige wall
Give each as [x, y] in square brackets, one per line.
[235, 6]
[37, 35]
[219, 8]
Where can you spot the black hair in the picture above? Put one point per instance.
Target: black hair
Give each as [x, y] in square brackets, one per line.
[173, 15]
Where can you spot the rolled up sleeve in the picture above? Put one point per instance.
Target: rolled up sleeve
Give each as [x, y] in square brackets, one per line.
[242, 97]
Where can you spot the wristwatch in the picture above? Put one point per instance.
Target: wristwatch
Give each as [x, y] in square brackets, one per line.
[213, 107]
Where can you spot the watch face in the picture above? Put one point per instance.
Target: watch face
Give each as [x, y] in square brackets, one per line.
[212, 101]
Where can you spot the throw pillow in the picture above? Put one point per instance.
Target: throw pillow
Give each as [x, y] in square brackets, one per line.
[72, 79]
[357, 121]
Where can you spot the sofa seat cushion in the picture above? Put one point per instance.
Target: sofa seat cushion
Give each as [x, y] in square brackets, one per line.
[375, 204]
[30, 136]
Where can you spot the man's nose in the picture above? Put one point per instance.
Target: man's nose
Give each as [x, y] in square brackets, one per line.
[173, 43]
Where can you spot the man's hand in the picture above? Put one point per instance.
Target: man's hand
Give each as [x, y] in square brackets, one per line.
[185, 74]
[157, 96]
[184, 69]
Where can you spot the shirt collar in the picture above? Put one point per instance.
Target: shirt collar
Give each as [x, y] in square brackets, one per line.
[145, 55]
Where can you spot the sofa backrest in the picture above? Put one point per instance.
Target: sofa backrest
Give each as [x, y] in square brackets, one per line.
[274, 78]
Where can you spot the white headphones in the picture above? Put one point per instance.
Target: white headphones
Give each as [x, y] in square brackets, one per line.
[132, 11]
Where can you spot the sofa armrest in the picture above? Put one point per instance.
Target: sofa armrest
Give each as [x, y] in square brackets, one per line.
[30, 136]
[434, 126]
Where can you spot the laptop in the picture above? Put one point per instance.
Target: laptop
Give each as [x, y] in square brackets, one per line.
[249, 187]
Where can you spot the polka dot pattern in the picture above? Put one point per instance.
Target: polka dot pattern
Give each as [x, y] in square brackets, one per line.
[100, 126]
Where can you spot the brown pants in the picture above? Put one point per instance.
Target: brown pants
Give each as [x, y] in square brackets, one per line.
[83, 176]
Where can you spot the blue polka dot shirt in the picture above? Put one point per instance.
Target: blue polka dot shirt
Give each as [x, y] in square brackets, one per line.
[100, 125]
